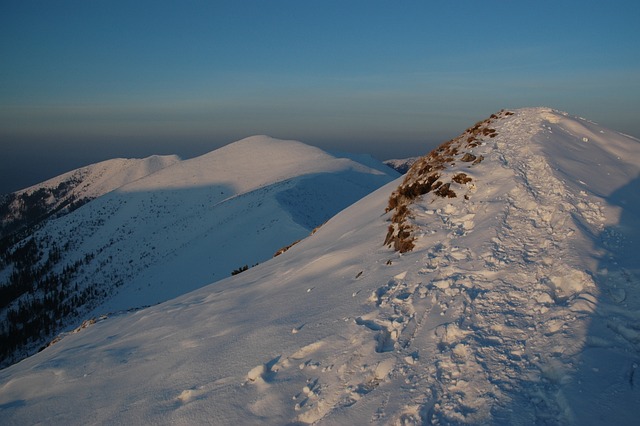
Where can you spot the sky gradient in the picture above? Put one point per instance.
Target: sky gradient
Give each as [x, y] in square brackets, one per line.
[84, 81]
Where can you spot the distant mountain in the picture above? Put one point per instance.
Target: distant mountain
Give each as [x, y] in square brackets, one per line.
[402, 166]
[69, 191]
[496, 283]
[144, 222]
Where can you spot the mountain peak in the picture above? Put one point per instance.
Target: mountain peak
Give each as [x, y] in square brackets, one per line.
[264, 143]
[149, 218]
[559, 145]
[437, 173]
[254, 161]
[64, 193]
[516, 304]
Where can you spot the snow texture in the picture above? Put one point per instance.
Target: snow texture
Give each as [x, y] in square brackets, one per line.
[167, 229]
[518, 304]
[63, 194]
[401, 165]
[101, 178]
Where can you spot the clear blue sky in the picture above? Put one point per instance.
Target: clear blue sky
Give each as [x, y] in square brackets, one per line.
[83, 81]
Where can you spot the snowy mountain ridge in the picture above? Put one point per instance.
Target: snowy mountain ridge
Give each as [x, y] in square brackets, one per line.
[213, 215]
[401, 165]
[252, 162]
[516, 303]
[64, 193]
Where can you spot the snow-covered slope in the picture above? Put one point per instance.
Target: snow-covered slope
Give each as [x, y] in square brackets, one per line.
[517, 304]
[63, 193]
[185, 226]
[401, 165]
[100, 178]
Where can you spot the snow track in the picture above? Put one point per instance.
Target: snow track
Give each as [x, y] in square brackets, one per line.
[518, 305]
[491, 326]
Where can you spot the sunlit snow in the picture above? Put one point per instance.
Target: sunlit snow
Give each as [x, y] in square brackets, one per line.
[519, 304]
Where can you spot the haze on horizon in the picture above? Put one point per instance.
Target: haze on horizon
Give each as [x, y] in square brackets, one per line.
[87, 81]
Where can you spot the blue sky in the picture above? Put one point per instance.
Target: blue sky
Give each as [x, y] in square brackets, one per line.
[83, 81]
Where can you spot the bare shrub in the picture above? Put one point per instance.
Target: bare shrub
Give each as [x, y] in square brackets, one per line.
[285, 248]
[461, 178]
[240, 270]
[445, 191]
[468, 157]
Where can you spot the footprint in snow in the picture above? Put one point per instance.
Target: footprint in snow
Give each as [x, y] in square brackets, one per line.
[263, 373]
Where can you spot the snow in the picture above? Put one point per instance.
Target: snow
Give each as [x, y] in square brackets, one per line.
[271, 193]
[252, 162]
[106, 176]
[519, 304]
[210, 215]
[401, 165]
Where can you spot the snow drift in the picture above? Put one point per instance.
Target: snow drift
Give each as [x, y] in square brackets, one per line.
[517, 303]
